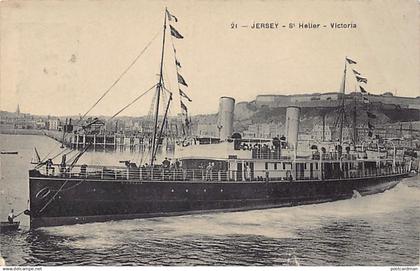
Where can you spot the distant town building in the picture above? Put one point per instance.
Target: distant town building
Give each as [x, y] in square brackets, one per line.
[40, 124]
[53, 124]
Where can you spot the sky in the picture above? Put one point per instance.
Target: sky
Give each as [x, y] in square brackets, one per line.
[59, 57]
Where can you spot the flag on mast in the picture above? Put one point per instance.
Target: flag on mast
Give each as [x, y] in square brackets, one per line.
[181, 80]
[177, 63]
[184, 107]
[356, 72]
[361, 79]
[171, 17]
[362, 90]
[350, 61]
[183, 94]
[365, 100]
[175, 33]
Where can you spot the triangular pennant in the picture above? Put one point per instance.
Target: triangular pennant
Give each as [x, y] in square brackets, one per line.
[351, 61]
[356, 72]
[361, 79]
[171, 17]
[183, 94]
[181, 80]
[177, 63]
[175, 33]
[184, 107]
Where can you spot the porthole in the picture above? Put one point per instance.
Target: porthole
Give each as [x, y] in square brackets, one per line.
[186, 190]
[172, 190]
[221, 190]
[205, 190]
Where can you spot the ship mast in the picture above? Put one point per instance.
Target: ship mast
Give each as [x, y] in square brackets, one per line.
[342, 110]
[159, 87]
[355, 139]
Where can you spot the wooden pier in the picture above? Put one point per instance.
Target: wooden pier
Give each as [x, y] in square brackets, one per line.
[102, 142]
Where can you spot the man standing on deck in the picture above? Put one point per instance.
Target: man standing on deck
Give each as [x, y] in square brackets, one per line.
[11, 216]
[208, 171]
[166, 163]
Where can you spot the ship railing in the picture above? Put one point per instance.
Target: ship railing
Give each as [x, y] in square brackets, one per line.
[368, 172]
[161, 174]
[266, 154]
[180, 174]
[335, 156]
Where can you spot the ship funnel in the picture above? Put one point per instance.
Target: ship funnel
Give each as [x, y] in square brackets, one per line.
[292, 126]
[225, 118]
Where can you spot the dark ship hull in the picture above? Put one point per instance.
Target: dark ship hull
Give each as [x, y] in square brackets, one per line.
[95, 200]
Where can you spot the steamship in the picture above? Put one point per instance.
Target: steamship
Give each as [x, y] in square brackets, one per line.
[235, 174]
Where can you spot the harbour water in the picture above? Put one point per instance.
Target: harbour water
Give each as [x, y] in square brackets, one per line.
[381, 229]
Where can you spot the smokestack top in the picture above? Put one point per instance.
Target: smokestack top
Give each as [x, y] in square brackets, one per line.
[226, 97]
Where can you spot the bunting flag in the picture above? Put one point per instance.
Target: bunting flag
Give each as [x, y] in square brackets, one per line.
[171, 17]
[361, 79]
[365, 100]
[177, 63]
[351, 61]
[371, 126]
[356, 72]
[184, 107]
[175, 33]
[181, 80]
[362, 90]
[371, 115]
[183, 94]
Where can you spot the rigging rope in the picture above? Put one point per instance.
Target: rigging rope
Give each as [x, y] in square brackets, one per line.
[109, 89]
[132, 102]
[119, 77]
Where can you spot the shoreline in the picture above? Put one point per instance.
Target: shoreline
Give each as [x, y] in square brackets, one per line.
[13, 131]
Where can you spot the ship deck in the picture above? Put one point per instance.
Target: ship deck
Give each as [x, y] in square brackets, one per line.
[159, 174]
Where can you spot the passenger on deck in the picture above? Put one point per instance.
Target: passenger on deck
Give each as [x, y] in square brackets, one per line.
[247, 172]
[49, 165]
[146, 171]
[166, 163]
[11, 216]
[177, 164]
[209, 169]
[63, 165]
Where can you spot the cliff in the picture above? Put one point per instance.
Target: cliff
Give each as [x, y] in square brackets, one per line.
[247, 114]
